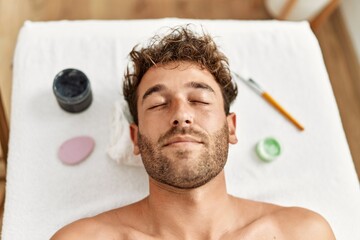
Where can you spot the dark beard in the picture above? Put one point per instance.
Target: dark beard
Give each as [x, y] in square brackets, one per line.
[210, 162]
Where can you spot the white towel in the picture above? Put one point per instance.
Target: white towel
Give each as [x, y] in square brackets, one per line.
[120, 147]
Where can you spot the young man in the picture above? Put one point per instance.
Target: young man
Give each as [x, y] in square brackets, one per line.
[179, 90]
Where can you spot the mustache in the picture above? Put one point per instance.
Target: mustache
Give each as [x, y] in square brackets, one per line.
[183, 131]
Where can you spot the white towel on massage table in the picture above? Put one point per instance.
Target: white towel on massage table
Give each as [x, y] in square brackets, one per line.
[314, 171]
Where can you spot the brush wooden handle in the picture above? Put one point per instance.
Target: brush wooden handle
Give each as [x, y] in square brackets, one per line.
[278, 107]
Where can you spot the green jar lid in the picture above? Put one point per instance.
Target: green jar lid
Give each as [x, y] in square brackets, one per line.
[268, 149]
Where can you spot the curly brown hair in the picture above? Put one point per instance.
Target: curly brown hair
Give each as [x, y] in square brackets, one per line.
[180, 45]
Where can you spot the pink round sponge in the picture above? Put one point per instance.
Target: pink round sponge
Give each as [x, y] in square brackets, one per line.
[76, 150]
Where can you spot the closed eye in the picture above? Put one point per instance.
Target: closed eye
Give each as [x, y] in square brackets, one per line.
[199, 102]
[157, 106]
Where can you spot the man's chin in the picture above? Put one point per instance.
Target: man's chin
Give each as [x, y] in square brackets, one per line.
[187, 182]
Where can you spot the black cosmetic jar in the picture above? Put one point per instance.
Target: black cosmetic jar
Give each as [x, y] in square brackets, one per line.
[72, 90]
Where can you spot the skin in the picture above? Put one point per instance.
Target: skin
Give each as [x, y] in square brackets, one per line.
[185, 208]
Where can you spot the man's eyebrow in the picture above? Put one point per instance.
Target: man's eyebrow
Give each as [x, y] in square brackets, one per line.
[200, 85]
[153, 89]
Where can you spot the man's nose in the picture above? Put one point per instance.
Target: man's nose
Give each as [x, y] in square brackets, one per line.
[182, 115]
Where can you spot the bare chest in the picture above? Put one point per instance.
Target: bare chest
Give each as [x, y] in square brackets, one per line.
[258, 230]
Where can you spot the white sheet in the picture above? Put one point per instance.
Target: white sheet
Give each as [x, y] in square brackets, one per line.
[314, 171]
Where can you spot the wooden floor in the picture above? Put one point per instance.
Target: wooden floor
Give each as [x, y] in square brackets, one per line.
[2, 188]
[344, 71]
[339, 55]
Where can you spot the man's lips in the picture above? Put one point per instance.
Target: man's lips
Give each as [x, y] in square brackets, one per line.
[182, 140]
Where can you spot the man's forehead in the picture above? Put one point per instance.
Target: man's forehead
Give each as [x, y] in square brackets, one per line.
[178, 73]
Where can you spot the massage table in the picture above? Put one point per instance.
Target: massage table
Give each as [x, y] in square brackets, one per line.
[314, 171]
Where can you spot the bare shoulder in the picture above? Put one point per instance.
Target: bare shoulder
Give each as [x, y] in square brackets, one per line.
[81, 229]
[113, 224]
[102, 226]
[301, 223]
[278, 222]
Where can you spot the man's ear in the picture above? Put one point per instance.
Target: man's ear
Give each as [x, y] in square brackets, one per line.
[231, 120]
[134, 129]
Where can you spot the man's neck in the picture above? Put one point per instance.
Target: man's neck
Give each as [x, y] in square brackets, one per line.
[206, 212]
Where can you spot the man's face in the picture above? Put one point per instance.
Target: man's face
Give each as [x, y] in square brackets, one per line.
[183, 133]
